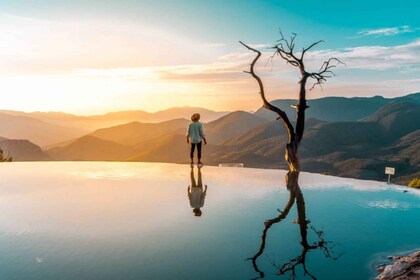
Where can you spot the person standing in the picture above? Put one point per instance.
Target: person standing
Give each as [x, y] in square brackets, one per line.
[195, 136]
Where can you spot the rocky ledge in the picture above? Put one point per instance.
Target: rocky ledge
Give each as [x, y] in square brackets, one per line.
[402, 268]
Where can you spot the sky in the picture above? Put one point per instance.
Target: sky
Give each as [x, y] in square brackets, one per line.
[96, 56]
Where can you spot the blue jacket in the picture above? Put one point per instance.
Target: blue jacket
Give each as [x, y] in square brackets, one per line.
[195, 132]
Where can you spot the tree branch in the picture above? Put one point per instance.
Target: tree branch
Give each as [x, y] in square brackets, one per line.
[324, 72]
[304, 50]
[282, 115]
[285, 49]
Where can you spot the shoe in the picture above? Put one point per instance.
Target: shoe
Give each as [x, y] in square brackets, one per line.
[200, 164]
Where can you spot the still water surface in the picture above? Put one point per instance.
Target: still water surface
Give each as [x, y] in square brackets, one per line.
[98, 220]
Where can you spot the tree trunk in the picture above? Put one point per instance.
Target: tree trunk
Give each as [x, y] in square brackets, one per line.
[291, 156]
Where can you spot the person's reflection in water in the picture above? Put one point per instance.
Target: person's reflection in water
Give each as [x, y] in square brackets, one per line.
[295, 194]
[196, 193]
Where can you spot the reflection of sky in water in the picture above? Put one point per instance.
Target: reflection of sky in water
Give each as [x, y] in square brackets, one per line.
[90, 220]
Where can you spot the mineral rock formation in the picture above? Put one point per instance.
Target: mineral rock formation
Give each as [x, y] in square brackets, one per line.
[403, 268]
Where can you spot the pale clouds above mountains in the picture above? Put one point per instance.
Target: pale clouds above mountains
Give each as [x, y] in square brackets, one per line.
[398, 57]
[70, 65]
[388, 31]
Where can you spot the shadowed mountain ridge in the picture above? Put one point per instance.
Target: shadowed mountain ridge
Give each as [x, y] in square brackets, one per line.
[22, 150]
[337, 109]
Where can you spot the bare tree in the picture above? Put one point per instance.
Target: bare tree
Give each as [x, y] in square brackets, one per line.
[327, 247]
[286, 50]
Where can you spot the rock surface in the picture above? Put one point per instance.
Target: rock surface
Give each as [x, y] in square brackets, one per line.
[402, 268]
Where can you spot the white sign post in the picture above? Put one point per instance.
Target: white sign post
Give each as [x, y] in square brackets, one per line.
[390, 171]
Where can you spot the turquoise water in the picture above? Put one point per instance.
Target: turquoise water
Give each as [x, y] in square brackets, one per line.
[98, 220]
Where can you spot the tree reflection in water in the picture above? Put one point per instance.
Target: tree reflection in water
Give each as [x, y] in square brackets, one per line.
[295, 194]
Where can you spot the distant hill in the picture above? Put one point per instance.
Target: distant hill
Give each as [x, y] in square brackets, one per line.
[91, 148]
[336, 109]
[36, 131]
[185, 112]
[232, 125]
[264, 131]
[135, 132]
[169, 148]
[413, 97]
[408, 148]
[122, 117]
[147, 140]
[94, 122]
[398, 118]
[22, 150]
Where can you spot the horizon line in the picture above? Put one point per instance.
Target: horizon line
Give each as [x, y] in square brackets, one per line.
[198, 107]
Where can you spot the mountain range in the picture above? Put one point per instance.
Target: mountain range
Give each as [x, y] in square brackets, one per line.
[94, 122]
[335, 109]
[350, 137]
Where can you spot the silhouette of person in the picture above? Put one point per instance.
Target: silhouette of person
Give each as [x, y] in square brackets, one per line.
[195, 136]
[196, 193]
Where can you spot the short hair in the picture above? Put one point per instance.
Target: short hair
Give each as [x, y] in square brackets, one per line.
[195, 117]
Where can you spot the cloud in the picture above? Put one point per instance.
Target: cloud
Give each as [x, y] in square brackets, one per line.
[221, 82]
[225, 74]
[388, 31]
[29, 45]
[404, 57]
[228, 69]
[221, 73]
[261, 46]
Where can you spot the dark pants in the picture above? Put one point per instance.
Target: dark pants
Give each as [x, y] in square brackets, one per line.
[198, 150]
